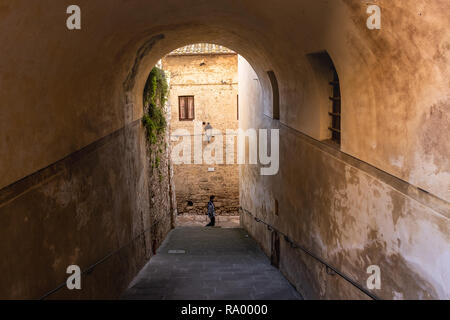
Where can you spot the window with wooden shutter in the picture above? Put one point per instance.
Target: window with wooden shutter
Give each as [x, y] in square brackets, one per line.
[186, 108]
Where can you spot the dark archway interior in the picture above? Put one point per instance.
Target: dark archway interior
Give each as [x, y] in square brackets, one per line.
[73, 178]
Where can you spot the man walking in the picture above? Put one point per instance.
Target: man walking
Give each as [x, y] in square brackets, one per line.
[211, 212]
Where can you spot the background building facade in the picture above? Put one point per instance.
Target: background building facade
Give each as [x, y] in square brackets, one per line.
[204, 90]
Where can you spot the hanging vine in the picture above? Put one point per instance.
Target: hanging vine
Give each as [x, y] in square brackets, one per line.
[155, 97]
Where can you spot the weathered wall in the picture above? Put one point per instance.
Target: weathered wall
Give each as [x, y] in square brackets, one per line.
[78, 211]
[345, 211]
[212, 80]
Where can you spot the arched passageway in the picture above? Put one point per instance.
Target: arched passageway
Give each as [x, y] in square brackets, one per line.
[73, 176]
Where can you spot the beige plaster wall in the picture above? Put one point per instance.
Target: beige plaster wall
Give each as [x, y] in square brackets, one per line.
[64, 90]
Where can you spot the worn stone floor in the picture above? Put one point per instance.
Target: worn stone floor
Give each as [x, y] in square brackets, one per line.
[198, 263]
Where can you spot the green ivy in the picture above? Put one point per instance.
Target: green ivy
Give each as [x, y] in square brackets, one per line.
[155, 97]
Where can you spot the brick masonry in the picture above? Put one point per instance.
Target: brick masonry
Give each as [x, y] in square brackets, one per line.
[212, 80]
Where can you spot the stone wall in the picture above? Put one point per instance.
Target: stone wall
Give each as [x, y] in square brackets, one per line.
[100, 200]
[196, 185]
[71, 91]
[161, 189]
[212, 80]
